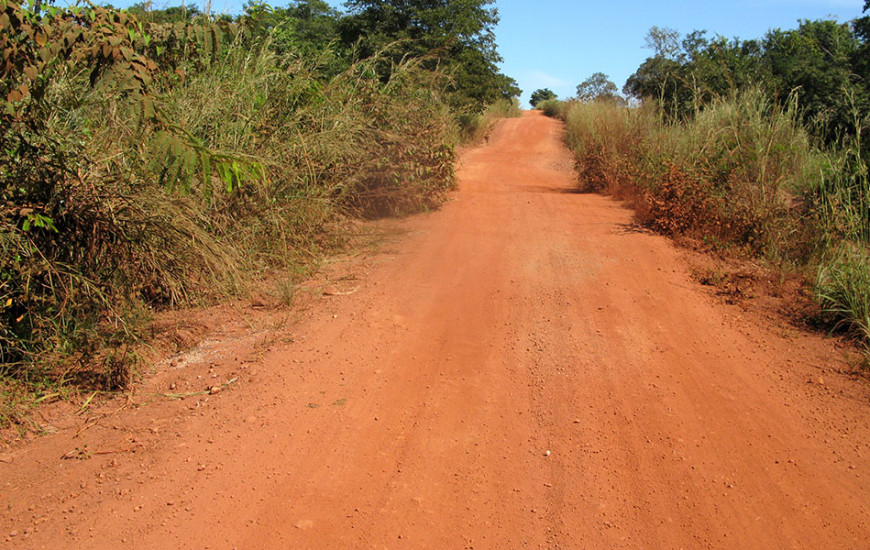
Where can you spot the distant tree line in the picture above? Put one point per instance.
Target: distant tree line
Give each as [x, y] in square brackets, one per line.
[823, 66]
[598, 87]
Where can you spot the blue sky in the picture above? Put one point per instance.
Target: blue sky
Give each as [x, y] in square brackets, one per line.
[557, 44]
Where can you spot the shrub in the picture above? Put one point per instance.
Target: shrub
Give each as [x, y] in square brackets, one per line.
[544, 94]
[730, 175]
[552, 108]
[144, 166]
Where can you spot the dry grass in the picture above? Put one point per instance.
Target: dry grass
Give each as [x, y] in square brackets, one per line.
[742, 176]
[116, 204]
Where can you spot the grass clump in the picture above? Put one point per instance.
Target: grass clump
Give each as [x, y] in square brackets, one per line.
[843, 289]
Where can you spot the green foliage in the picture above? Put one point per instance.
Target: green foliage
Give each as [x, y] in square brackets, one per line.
[544, 94]
[145, 165]
[305, 28]
[598, 87]
[843, 288]
[815, 61]
[455, 36]
[144, 11]
[821, 64]
[554, 108]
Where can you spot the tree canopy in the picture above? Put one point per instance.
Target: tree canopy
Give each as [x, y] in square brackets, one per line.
[824, 65]
[597, 87]
[454, 35]
[544, 94]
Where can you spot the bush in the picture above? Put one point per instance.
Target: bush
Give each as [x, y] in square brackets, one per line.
[732, 175]
[146, 166]
[544, 94]
[553, 108]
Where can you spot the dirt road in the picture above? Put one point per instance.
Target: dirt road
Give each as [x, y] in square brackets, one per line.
[523, 369]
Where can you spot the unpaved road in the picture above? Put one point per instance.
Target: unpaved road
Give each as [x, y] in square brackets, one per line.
[522, 369]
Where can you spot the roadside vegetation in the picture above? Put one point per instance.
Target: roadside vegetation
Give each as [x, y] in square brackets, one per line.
[476, 126]
[759, 148]
[152, 159]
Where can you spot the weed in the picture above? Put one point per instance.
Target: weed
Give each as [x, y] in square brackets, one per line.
[843, 288]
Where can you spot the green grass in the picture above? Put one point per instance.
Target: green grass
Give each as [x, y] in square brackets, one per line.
[843, 289]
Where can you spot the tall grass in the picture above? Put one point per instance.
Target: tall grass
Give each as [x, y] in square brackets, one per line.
[843, 215]
[115, 203]
[742, 175]
[843, 288]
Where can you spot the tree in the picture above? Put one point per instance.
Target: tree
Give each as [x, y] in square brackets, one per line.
[824, 65]
[662, 77]
[815, 63]
[310, 26]
[663, 80]
[664, 42]
[174, 14]
[544, 94]
[861, 58]
[597, 87]
[456, 36]
[685, 75]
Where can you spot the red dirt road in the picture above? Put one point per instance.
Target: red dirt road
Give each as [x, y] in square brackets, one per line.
[522, 369]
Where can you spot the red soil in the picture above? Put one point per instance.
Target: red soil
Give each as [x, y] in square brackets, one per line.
[523, 368]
